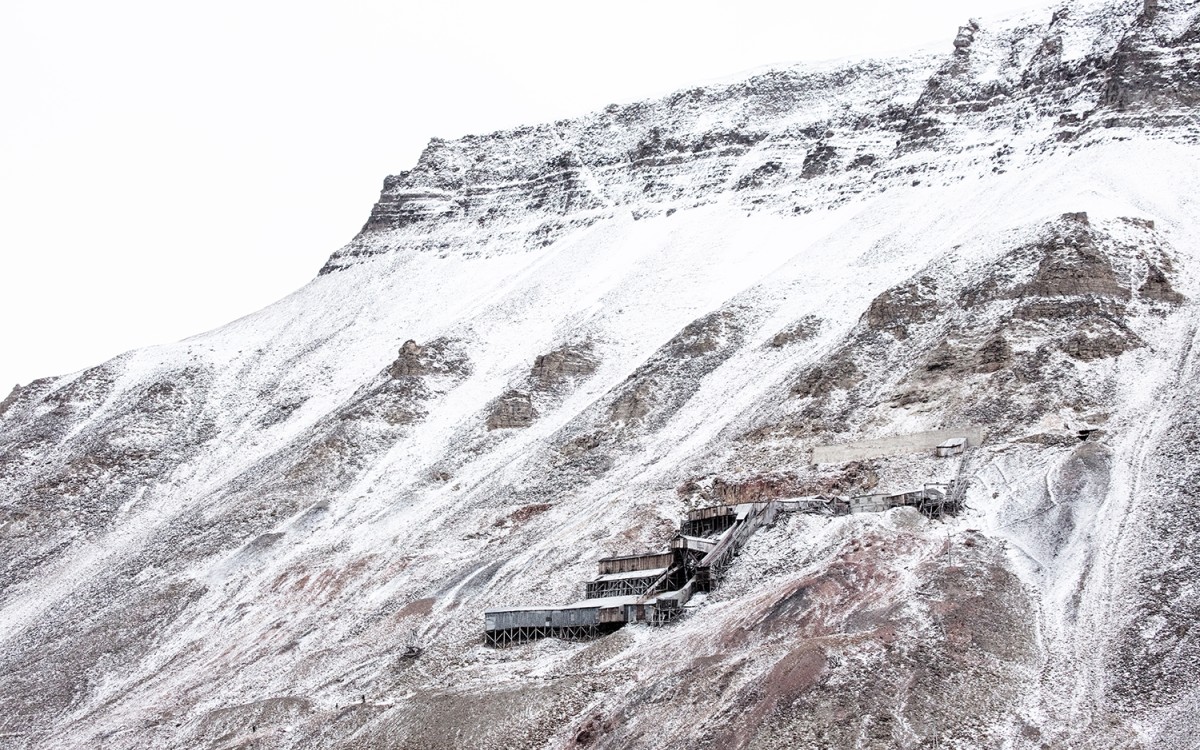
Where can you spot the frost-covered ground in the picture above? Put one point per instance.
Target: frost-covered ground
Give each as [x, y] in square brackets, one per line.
[230, 541]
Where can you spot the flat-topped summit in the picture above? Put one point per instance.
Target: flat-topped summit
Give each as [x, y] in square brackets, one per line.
[803, 137]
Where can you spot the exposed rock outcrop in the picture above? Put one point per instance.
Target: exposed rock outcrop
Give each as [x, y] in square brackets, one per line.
[965, 38]
[409, 361]
[1072, 264]
[563, 364]
[1158, 287]
[634, 404]
[513, 410]
[668, 378]
[994, 355]
[820, 161]
[840, 374]
[438, 357]
[1099, 338]
[898, 308]
[10, 399]
[800, 331]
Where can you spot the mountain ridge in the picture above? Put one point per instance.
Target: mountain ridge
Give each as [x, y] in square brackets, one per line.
[523, 364]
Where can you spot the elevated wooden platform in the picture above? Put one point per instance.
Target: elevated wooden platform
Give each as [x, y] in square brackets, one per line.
[632, 583]
[708, 521]
[628, 563]
[505, 626]
[933, 500]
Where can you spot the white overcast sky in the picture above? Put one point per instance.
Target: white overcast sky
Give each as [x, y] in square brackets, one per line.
[167, 167]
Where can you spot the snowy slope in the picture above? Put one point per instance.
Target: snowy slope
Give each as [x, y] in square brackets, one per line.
[230, 541]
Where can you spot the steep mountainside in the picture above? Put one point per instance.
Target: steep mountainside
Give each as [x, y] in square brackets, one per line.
[547, 344]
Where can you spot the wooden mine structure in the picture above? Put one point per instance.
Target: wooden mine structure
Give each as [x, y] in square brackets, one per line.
[632, 575]
[654, 587]
[634, 563]
[934, 500]
[586, 619]
[708, 521]
[650, 587]
[954, 447]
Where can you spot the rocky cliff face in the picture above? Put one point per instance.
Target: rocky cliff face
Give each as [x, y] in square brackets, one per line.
[548, 343]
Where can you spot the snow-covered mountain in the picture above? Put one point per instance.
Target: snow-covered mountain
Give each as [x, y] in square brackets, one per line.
[547, 344]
